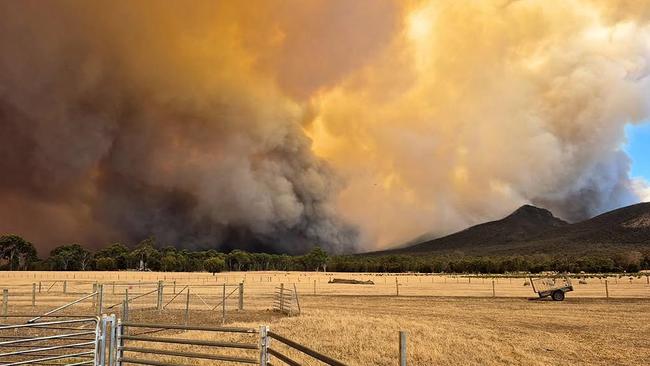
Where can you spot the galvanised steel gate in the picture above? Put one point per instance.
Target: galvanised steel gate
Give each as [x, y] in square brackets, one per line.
[106, 341]
[71, 341]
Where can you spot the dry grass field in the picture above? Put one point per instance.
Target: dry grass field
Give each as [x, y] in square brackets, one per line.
[449, 320]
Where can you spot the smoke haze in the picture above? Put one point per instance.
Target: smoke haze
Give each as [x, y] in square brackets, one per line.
[281, 125]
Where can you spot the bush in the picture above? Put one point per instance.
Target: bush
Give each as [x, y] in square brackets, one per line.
[105, 264]
[214, 265]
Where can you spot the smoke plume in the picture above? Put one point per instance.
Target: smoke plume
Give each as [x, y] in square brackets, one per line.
[281, 125]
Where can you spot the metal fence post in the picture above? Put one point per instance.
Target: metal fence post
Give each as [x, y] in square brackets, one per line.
[241, 296]
[119, 343]
[100, 298]
[5, 301]
[187, 307]
[402, 348]
[264, 345]
[33, 294]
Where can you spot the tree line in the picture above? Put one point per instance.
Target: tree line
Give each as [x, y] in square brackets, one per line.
[18, 254]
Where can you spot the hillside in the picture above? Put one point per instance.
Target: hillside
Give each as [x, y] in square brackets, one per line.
[535, 230]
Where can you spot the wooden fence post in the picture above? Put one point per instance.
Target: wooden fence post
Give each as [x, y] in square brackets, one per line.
[314, 287]
[264, 345]
[494, 294]
[223, 304]
[402, 348]
[241, 296]
[34, 294]
[282, 298]
[100, 298]
[187, 307]
[396, 287]
[125, 306]
[65, 286]
[5, 302]
[160, 296]
[606, 290]
[295, 293]
[39, 286]
[94, 297]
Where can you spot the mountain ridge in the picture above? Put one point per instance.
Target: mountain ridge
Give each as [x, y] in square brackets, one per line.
[530, 229]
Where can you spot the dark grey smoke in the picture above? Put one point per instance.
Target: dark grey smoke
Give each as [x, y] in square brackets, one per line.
[116, 126]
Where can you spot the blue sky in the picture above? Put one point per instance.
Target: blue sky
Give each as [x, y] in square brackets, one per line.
[638, 147]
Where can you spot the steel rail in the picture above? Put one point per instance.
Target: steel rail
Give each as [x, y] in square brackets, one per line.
[43, 349]
[283, 358]
[191, 355]
[133, 298]
[71, 355]
[192, 327]
[36, 339]
[149, 362]
[193, 342]
[226, 298]
[32, 325]
[306, 350]
[175, 296]
[62, 307]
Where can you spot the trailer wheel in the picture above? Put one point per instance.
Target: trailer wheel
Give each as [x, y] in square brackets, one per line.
[558, 295]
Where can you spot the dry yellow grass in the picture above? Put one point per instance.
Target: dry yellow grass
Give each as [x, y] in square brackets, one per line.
[459, 328]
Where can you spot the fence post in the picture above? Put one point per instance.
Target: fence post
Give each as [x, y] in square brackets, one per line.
[33, 294]
[314, 287]
[160, 296]
[94, 297]
[295, 293]
[5, 301]
[264, 345]
[120, 342]
[125, 306]
[241, 296]
[402, 348]
[223, 304]
[39, 286]
[606, 290]
[113, 287]
[282, 298]
[187, 307]
[396, 286]
[65, 286]
[100, 298]
[174, 287]
[494, 294]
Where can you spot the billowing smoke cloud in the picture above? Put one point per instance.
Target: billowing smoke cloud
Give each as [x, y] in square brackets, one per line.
[124, 120]
[480, 106]
[284, 124]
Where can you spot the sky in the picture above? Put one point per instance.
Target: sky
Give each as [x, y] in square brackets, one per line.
[638, 148]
